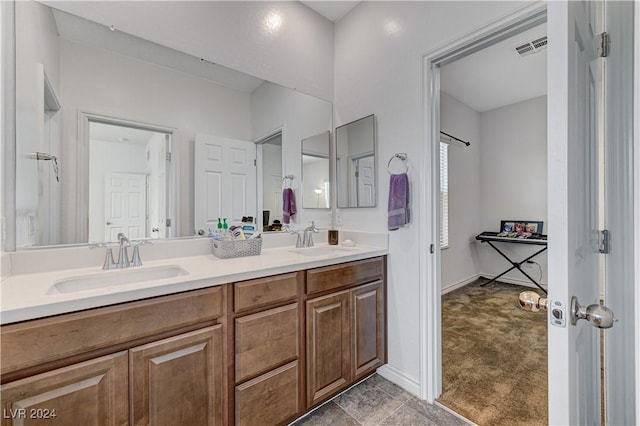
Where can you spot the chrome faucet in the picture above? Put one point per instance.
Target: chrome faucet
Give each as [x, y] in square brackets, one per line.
[298, 235]
[123, 260]
[308, 235]
[109, 263]
[135, 260]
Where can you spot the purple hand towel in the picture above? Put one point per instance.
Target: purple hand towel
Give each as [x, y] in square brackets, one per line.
[288, 205]
[398, 210]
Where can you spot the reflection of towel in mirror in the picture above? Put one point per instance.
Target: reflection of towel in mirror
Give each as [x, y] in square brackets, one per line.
[288, 205]
[398, 210]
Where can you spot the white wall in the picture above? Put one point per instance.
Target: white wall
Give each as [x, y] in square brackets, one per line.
[109, 157]
[94, 80]
[460, 261]
[300, 116]
[299, 54]
[378, 69]
[36, 34]
[513, 172]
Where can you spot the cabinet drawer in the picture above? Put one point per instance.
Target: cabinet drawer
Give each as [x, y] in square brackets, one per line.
[346, 274]
[265, 291]
[270, 399]
[266, 340]
[36, 342]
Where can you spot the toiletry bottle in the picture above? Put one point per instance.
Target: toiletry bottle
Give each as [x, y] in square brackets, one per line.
[218, 232]
[333, 237]
[225, 230]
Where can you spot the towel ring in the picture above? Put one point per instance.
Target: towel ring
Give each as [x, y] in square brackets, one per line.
[402, 156]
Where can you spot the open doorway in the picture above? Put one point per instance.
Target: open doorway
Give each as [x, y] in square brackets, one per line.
[496, 185]
[128, 181]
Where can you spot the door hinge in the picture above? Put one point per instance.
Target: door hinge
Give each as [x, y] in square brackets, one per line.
[603, 42]
[167, 156]
[603, 241]
[255, 163]
[167, 223]
[432, 249]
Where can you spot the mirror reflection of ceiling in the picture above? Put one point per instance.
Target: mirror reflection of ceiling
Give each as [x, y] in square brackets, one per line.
[497, 76]
[92, 34]
[111, 133]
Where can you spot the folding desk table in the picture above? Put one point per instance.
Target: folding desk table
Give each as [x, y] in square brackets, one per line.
[535, 240]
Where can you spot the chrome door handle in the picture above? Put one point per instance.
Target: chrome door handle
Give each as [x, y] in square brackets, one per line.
[532, 302]
[109, 223]
[598, 315]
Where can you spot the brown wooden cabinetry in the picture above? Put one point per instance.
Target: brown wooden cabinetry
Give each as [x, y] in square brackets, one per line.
[89, 393]
[268, 350]
[178, 381]
[255, 352]
[345, 329]
[328, 346]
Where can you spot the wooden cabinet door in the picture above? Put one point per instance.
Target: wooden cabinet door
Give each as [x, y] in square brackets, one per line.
[89, 393]
[367, 322]
[178, 381]
[328, 346]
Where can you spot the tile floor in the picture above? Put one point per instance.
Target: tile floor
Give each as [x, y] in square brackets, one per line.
[376, 401]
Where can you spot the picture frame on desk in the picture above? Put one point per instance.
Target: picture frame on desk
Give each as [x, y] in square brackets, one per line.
[531, 226]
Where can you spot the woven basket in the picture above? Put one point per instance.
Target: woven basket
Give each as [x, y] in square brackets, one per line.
[228, 249]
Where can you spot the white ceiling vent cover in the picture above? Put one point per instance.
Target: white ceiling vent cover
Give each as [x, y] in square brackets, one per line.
[532, 47]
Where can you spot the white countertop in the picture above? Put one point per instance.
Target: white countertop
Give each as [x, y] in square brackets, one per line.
[26, 296]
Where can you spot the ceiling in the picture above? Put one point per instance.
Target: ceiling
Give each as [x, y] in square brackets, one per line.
[86, 32]
[332, 10]
[497, 76]
[119, 134]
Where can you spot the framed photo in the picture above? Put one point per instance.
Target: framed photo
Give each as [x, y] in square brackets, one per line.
[520, 226]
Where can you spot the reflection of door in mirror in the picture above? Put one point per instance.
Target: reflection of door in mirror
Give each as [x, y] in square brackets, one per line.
[315, 172]
[224, 181]
[362, 181]
[127, 182]
[356, 163]
[271, 178]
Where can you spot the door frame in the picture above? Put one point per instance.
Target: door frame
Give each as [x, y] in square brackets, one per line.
[430, 257]
[173, 197]
[429, 266]
[636, 196]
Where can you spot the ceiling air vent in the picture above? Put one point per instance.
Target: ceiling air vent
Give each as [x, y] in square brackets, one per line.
[532, 47]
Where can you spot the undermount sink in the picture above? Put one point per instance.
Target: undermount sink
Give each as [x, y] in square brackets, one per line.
[116, 277]
[320, 251]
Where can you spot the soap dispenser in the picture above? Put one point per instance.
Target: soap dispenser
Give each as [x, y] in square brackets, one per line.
[225, 230]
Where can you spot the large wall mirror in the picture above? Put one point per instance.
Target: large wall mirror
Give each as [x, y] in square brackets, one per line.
[356, 163]
[119, 133]
[316, 193]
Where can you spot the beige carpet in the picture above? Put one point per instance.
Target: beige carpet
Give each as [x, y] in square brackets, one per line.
[494, 356]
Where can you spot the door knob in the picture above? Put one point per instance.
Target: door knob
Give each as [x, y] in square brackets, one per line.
[109, 223]
[598, 315]
[532, 302]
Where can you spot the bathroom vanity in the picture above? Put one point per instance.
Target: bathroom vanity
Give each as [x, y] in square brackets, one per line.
[254, 351]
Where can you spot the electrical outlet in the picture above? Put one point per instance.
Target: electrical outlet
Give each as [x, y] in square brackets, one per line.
[338, 217]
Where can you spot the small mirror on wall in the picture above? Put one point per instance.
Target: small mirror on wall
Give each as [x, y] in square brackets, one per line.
[315, 172]
[356, 163]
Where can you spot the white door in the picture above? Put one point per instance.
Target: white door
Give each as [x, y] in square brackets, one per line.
[366, 182]
[125, 205]
[225, 180]
[575, 125]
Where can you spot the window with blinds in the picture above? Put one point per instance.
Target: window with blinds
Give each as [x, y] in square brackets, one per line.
[444, 195]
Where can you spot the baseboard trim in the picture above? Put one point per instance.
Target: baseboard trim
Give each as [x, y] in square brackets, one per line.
[450, 287]
[396, 376]
[517, 281]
